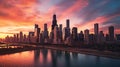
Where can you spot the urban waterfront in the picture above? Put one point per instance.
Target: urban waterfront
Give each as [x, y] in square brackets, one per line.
[55, 58]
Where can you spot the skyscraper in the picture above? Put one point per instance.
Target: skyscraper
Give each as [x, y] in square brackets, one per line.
[86, 36]
[111, 33]
[54, 22]
[96, 32]
[31, 37]
[68, 23]
[17, 37]
[56, 35]
[35, 30]
[41, 38]
[118, 37]
[107, 37]
[51, 37]
[74, 34]
[101, 37]
[91, 39]
[45, 27]
[96, 29]
[24, 38]
[67, 30]
[36, 33]
[45, 33]
[60, 33]
[81, 36]
[21, 37]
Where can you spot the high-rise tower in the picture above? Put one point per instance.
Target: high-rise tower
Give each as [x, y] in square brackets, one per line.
[36, 33]
[45, 33]
[86, 36]
[67, 29]
[68, 23]
[21, 37]
[96, 32]
[74, 34]
[111, 33]
[54, 22]
[96, 29]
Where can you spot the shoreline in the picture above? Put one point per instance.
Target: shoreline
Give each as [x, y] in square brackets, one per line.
[108, 54]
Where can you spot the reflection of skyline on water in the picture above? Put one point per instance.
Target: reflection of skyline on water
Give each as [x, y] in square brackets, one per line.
[55, 58]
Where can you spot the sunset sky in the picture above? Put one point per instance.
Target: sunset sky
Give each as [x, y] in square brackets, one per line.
[21, 15]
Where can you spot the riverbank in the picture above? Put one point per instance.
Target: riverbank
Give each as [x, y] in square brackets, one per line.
[109, 54]
[4, 51]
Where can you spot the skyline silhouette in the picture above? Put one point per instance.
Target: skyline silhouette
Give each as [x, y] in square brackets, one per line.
[65, 35]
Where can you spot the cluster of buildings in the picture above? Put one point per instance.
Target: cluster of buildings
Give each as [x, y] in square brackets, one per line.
[66, 35]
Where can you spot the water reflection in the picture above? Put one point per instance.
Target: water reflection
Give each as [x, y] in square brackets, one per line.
[75, 56]
[55, 58]
[67, 59]
[36, 57]
[45, 54]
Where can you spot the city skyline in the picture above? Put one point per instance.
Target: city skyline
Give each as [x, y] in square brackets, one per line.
[65, 35]
[83, 14]
[54, 23]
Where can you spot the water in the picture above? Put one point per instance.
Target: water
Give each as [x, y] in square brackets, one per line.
[55, 58]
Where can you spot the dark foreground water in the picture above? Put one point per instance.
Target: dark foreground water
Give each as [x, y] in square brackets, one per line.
[55, 58]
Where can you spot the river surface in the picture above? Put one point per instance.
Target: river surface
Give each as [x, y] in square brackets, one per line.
[55, 58]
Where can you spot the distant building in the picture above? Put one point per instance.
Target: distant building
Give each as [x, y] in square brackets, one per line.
[25, 38]
[51, 37]
[118, 37]
[31, 37]
[81, 36]
[68, 23]
[60, 34]
[15, 38]
[74, 34]
[41, 38]
[111, 33]
[67, 30]
[96, 29]
[35, 30]
[101, 37]
[96, 32]
[56, 35]
[91, 39]
[86, 36]
[21, 37]
[45, 34]
[54, 22]
[69, 41]
[36, 33]
[107, 37]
